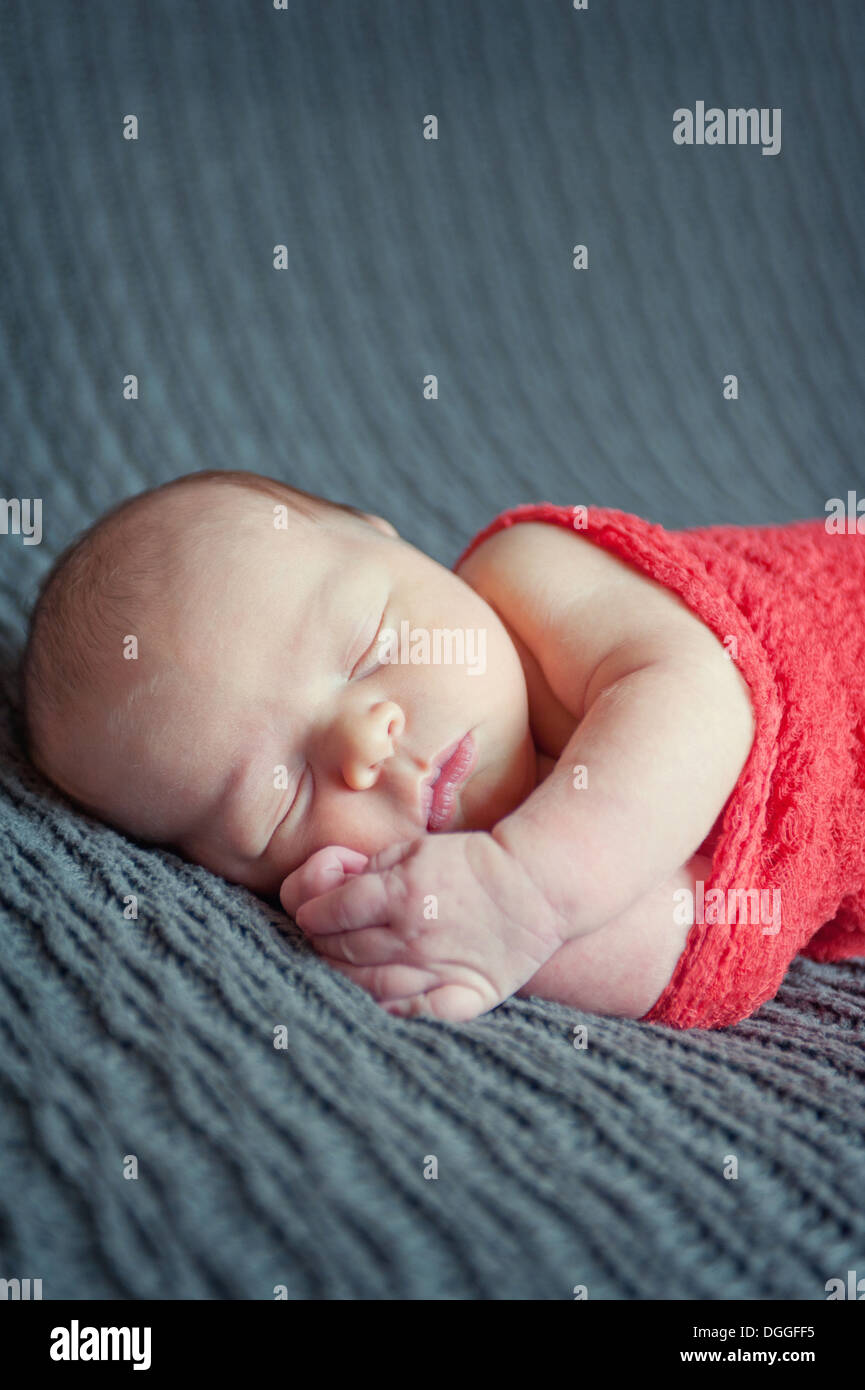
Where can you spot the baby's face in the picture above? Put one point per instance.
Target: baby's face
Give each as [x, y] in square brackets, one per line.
[266, 726]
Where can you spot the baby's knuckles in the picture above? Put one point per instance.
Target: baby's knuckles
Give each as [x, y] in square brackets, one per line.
[433, 868]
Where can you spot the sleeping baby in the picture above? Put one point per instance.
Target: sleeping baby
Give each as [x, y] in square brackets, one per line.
[599, 762]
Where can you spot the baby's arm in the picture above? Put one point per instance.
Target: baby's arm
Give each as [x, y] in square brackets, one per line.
[663, 728]
[663, 740]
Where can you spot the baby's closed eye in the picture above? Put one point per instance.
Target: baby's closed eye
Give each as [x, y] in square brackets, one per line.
[373, 647]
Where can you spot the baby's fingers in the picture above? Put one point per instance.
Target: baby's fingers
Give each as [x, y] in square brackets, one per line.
[364, 946]
[449, 1003]
[410, 991]
[326, 869]
[362, 901]
[387, 982]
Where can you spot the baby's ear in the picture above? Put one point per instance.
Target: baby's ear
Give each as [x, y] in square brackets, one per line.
[379, 523]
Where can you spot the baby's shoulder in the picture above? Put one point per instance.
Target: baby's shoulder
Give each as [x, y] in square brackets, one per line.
[574, 610]
[573, 603]
[537, 560]
[516, 549]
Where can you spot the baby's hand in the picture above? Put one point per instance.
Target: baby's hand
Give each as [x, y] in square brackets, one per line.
[445, 925]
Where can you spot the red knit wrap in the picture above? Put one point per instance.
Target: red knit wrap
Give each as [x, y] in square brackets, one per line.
[793, 597]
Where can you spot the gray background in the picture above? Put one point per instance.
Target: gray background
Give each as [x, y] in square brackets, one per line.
[409, 257]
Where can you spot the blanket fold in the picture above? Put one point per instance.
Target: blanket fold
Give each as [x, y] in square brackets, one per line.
[788, 603]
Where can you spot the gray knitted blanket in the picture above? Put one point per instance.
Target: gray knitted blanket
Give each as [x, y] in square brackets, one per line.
[156, 1143]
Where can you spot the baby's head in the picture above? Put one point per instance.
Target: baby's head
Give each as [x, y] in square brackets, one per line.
[203, 672]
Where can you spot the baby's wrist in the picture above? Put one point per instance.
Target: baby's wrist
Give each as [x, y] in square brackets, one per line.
[563, 886]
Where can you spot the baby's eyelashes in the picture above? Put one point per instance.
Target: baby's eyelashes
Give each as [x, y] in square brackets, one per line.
[293, 804]
[372, 648]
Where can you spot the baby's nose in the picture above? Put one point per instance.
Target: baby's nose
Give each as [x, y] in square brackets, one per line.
[372, 744]
[395, 721]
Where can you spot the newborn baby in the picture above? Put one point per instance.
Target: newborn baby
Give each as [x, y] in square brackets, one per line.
[215, 667]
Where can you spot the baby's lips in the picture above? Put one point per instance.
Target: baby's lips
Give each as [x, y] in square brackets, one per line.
[327, 868]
